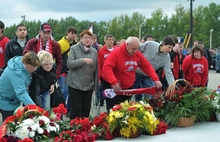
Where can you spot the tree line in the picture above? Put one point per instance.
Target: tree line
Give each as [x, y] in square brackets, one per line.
[159, 25]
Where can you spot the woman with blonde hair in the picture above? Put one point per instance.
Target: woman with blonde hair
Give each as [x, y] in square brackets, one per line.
[43, 80]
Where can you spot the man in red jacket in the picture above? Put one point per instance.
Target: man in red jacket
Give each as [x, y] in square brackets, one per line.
[102, 56]
[119, 69]
[44, 41]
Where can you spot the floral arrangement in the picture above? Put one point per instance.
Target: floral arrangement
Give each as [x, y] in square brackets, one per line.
[101, 128]
[32, 123]
[199, 103]
[131, 117]
[215, 98]
[83, 129]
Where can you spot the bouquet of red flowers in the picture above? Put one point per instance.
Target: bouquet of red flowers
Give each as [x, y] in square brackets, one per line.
[82, 129]
[100, 127]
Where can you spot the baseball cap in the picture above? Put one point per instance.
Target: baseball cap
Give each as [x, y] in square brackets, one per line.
[45, 27]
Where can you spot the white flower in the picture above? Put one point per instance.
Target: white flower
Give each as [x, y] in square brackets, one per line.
[22, 132]
[52, 128]
[53, 116]
[126, 117]
[45, 119]
[35, 126]
[31, 134]
[57, 126]
[142, 102]
[40, 131]
[126, 122]
[93, 127]
[28, 122]
[154, 117]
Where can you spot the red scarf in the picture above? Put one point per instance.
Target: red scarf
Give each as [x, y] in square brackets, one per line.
[109, 93]
[48, 46]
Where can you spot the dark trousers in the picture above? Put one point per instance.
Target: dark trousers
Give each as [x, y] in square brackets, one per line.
[6, 114]
[80, 102]
[116, 100]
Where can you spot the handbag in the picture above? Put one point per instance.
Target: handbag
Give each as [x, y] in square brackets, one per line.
[95, 109]
[57, 97]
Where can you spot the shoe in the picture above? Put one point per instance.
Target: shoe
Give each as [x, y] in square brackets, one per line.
[217, 71]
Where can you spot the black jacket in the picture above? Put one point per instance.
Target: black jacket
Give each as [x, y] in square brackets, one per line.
[40, 83]
[13, 48]
[208, 56]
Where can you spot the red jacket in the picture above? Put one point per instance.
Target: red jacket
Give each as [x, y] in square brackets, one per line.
[120, 67]
[32, 46]
[177, 65]
[195, 71]
[102, 56]
[3, 41]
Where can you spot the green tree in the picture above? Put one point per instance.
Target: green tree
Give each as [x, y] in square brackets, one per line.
[211, 21]
[122, 26]
[157, 24]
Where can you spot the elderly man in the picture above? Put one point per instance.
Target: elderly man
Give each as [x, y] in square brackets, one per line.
[119, 69]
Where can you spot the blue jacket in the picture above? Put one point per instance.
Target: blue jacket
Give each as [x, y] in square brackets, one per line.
[13, 85]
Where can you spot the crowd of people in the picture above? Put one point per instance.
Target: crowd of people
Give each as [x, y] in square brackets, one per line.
[32, 67]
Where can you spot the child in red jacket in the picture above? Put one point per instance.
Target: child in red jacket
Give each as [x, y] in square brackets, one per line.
[195, 67]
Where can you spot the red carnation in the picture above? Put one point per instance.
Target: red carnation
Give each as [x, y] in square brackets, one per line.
[46, 133]
[77, 138]
[116, 107]
[41, 122]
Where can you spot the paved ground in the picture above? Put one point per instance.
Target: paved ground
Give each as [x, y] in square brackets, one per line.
[214, 79]
[199, 132]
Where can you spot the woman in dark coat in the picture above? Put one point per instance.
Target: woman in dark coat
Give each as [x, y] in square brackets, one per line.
[43, 81]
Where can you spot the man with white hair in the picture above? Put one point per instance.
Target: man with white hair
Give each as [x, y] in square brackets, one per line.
[119, 69]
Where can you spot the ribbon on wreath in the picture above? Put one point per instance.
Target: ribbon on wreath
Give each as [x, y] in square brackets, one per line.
[109, 93]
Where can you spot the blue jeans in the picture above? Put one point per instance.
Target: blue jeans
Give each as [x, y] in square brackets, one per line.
[65, 91]
[142, 82]
[217, 65]
[99, 94]
[45, 98]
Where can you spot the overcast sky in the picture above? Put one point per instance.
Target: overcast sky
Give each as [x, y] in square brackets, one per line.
[92, 10]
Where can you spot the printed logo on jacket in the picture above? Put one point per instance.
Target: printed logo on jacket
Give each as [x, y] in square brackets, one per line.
[130, 65]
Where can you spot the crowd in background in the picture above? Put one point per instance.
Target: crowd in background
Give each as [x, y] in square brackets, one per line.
[80, 65]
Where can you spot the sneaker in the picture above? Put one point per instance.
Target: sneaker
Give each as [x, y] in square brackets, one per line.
[217, 71]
